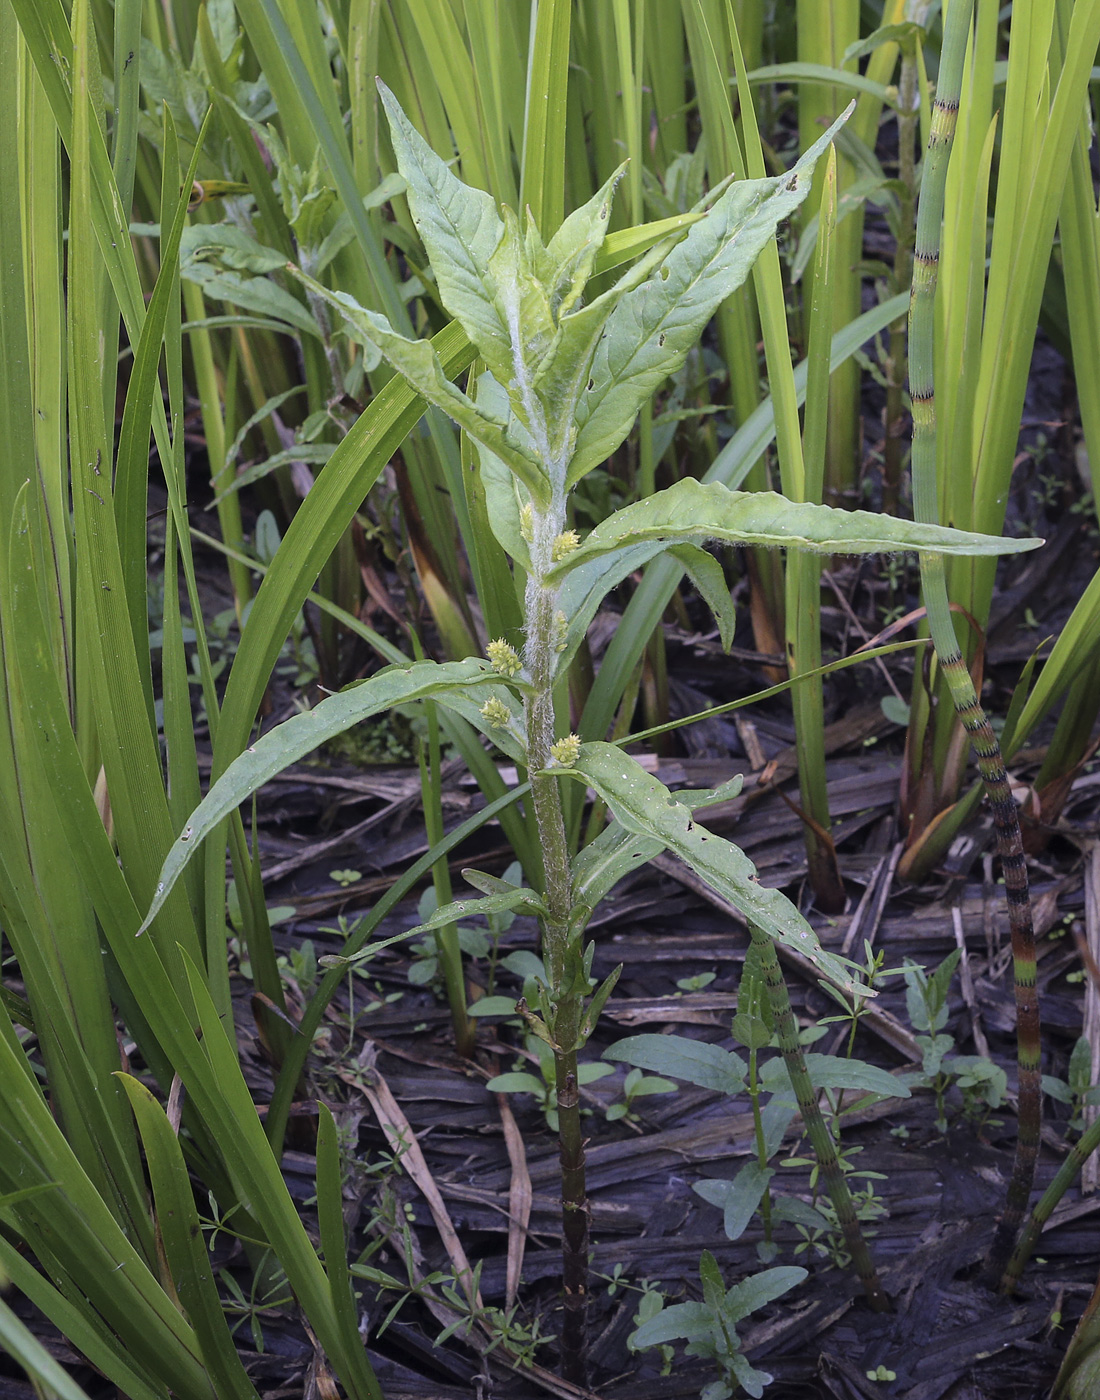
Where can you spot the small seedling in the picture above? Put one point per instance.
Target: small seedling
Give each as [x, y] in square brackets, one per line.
[637, 1085]
[696, 983]
[1078, 1089]
[982, 1083]
[710, 1327]
[344, 878]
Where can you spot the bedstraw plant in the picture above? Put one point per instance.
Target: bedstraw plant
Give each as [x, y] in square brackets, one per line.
[559, 384]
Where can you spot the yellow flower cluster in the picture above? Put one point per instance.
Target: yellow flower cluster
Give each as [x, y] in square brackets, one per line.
[564, 544]
[497, 713]
[503, 658]
[566, 751]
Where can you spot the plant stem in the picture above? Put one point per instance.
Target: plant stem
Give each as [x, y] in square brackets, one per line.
[446, 939]
[561, 951]
[824, 1148]
[933, 579]
[761, 1146]
[1079, 1155]
[896, 367]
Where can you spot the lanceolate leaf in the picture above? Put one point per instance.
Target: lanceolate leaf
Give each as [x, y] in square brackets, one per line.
[651, 330]
[184, 1247]
[706, 574]
[460, 228]
[571, 253]
[692, 511]
[643, 804]
[304, 733]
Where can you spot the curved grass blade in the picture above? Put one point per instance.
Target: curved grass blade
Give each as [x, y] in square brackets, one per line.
[184, 1246]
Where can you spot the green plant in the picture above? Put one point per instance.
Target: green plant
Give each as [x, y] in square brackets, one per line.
[1077, 1089]
[544, 1084]
[983, 1084]
[563, 385]
[982, 355]
[772, 1095]
[710, 1327]
[637, 1085]
[926, 500]
[425, 966]
[344, 878]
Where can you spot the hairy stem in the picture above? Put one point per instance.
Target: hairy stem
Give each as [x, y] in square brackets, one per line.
[821, 1139]
[560, 945]
[967, 705]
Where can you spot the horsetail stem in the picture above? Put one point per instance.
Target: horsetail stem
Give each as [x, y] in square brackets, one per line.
[1067, 1173]
[821, 1139]
[933, 580]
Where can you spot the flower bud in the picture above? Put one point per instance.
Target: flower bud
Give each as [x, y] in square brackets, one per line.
[503, 658]
[566, 751]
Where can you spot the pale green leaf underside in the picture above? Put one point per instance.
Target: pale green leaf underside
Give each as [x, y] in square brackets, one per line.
[419, 364]
[706, 574]
[599, 866]
[696, 1061]
[693, 512]
[299, 736]
[643, 804]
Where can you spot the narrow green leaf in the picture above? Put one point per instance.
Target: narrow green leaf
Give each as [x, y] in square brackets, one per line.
[544, 135]
[600, 865]
[418, 363]
[731, 467]
[709, 579]
[184, 1246]
[696, 512]
[572, 251]
[522, 900]
[330, 1219]
[75, 1319]
[27, 1351]
[650, 331]
[592, 1014]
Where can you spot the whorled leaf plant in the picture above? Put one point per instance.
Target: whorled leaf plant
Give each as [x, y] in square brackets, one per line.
[564, 382]
[933, 580]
